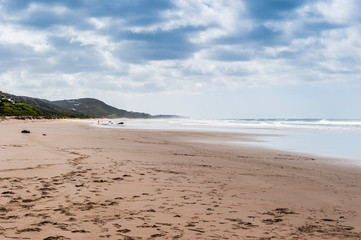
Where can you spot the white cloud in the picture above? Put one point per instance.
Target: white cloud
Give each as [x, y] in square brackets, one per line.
[339, 11]
[219, 18]
[12, 34]
[35, 8]
[101, 23]
[84, 38]
[98, 55]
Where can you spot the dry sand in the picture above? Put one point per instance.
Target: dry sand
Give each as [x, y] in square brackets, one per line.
[83, 182]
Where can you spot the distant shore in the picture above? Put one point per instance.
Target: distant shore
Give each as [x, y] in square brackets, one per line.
[69, 180]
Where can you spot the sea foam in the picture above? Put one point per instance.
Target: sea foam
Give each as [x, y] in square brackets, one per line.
[325, 137]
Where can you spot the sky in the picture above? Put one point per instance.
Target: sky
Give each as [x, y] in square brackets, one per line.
[213, 59]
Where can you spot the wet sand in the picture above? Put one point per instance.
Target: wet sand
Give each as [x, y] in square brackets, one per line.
[83, 182]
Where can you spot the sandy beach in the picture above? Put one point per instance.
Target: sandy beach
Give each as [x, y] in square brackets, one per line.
[70, 180]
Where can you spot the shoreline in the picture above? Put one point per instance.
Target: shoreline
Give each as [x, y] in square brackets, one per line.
[83, 182]
[265, 137]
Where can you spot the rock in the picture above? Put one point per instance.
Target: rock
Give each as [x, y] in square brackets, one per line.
[56, 238]
[25, 131]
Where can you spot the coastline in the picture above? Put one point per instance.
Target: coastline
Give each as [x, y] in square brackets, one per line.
[82, 182]
[318, 137]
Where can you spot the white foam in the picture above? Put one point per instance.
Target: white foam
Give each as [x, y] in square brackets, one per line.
[339, 138]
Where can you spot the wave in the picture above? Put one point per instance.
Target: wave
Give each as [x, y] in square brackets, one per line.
[239, 124]
[302, 123]
[344, 124]
[328, 137]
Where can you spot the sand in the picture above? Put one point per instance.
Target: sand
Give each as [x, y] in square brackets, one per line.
[82, 182]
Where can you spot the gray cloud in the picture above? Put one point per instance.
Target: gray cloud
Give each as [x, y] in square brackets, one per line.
[165, 46]
[272, 9]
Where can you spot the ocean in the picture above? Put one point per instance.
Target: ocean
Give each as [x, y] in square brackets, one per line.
[340, 138]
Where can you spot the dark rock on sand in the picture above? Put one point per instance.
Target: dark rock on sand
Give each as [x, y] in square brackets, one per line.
[25, 131]
[56, 238]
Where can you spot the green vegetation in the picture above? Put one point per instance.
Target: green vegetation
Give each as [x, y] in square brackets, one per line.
[74, 108]
[95, 108]
[44, 106]
[8, 108]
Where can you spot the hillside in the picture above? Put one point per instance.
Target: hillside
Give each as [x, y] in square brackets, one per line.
[73, 108]
[96, 108]
[44, 106]
[10, 108]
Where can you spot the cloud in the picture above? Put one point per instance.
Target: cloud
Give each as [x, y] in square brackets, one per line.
[272, 9]
[12, 34]
[338, 11]
[176, 45]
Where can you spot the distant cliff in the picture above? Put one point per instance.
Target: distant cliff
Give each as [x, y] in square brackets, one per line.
[13, 105]
[96, 108]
